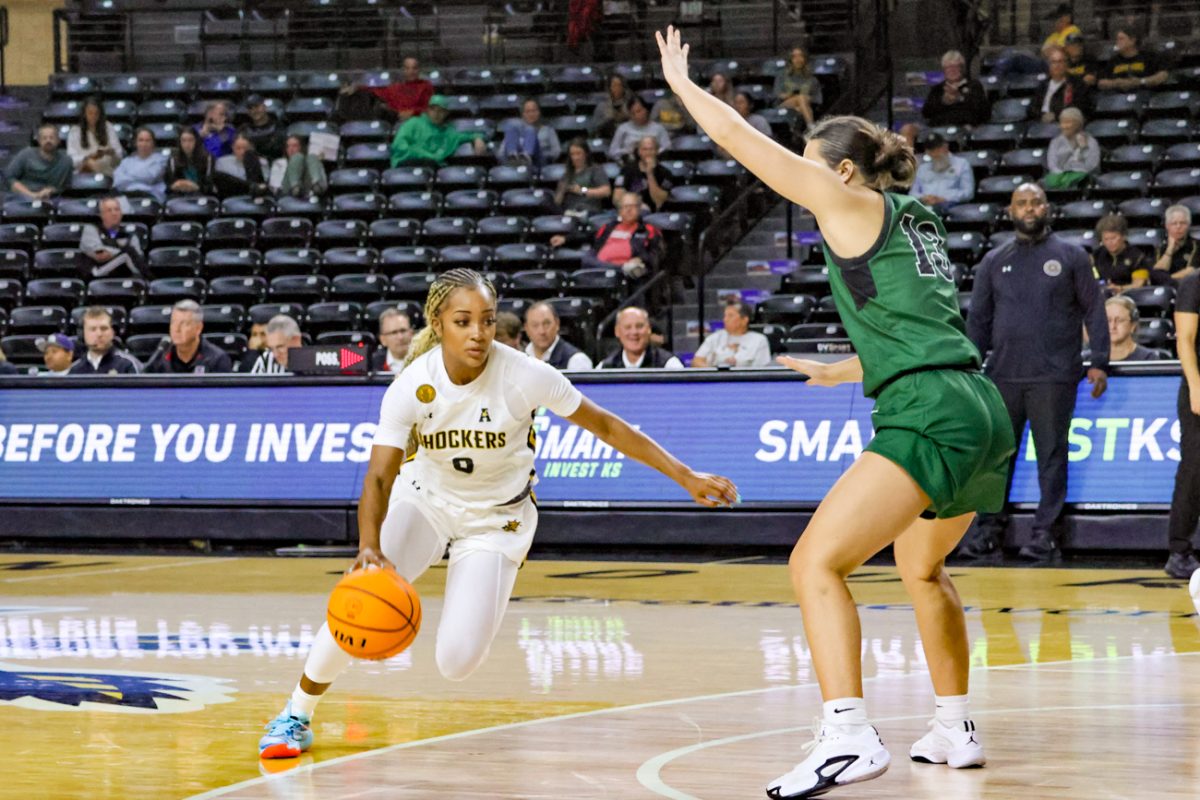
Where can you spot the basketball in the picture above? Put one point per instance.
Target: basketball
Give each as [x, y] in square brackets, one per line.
[374, 613]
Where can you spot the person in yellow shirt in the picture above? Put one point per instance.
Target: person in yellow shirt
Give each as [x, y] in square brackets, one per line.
[1064, 26]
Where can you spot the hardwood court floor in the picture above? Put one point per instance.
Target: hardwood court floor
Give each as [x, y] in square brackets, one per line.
[151, 677]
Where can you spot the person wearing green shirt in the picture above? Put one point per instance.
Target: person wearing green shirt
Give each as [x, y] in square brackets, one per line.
[39, 172]
[429, 137]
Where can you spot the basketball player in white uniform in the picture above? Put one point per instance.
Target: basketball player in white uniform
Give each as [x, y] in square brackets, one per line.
[465, 405]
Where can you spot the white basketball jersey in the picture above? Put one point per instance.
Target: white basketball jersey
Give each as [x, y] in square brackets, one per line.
[476, 441]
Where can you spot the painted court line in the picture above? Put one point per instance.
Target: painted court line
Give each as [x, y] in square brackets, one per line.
[63, 575]
[224, 790]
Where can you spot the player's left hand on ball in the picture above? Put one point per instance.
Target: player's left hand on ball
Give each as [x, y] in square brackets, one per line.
[370, 557]
[711, 490]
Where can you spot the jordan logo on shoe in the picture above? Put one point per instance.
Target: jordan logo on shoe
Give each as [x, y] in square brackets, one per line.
[972, 740]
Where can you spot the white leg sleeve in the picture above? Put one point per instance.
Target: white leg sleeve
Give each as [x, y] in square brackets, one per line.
[410, 542]
[478, 586]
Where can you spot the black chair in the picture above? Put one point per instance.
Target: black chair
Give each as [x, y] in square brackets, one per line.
[412, 285]
[454, 178]
[164, 291]
[20, 237]
[311, 209]
[366, 207]
[123, 292]
[59, 263]
[87, 185]
[474, 203]
[81, 212]
[37, 319]
[527, 202]
[406, 179]
[1133, 156]
[308, 109]
[1024, 161]
[68, 292]
[360, 288]
[1119, 186]
[347, 337]
[1172, 183]
[392, 232]
[785, 309]
[1153, 301]
[979, 217]
[473, 256]
[408, 259]
[339, 260]
[699, 200]
[144, 210]
[167, 262]
[1110, 133]
[256, 209]
[999, 188]
[1174, 104]
[224, 318]
[543, 227]
[234, 344]
[198, 208]
[441, 231]
[369, 156]
[261, 313]
[604, 283]
[284, 232]
[1080, 213]
[242, 290]
[364, 132]
[506, 178]
[333, 316]
[997, 136]
[14, 264]
[232, 261]
[62, 235]
[177, 234]
[1147, 239]
[690, 147]
[1118, 105]
[339, 233]
[11, 292]
[35, 212]
[415, 205]
[353, 181]
[1143, 211]
[539, 283]
[298, 289]
[291, 261]
[22, 349]
[1156, 333]
[1184, 154]
[500, 230]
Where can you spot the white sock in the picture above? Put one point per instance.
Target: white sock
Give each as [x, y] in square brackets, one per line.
[951, 710]
[303, 703]
[848, 713]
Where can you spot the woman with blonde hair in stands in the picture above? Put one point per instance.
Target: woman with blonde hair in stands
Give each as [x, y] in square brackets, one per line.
[459, 418]
[942, 434]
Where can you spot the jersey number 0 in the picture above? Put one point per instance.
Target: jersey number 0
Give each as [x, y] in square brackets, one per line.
[928, 244]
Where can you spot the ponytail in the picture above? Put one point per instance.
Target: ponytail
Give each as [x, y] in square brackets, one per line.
[884, 158]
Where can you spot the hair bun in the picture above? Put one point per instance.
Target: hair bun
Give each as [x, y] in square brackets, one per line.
[895, 163]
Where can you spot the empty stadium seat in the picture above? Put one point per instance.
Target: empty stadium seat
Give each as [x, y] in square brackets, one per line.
[232, 261]
[369, 156]
[415, 205]
[247, 207]
[501, 230]
[291, 261]
[261, 313]
[392, 232]
[230, 233]
[59, 263]
[1133, 156]
[1023, 161]
[1143, 210]
[348, 181]
[284, 232]
[1119, 186]
[338, 260]
[298, 288]
[473, 256]
[196, 208]
[408, 258]
[223, 318]
[177, 234]
[62, 235]
[527, 202]
[308, 208]
[233, 343]
[998, 189]
[1079, 213]
[1153, 301]
[360, 287]
[124, 292]
[164, 291]
[1156, 333]
[165, 262]
[339, 233]
[365, 206]
[79, 211]
[474, 203]
[980, 217]
[441, 231]
[412, 285]
[538, 283]
[1169, 131]
[409, 178]
[243, 290]
[785, 309]
[1170, 183]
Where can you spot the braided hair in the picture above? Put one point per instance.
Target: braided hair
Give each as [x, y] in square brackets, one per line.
[427, 338]
[445, 284]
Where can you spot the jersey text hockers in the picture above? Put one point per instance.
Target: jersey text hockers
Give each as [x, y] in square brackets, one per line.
[458, 438]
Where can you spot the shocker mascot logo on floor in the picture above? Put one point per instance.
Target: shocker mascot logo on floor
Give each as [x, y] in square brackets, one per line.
[97, 690]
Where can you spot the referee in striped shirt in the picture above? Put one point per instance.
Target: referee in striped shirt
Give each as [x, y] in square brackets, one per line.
[282, 333]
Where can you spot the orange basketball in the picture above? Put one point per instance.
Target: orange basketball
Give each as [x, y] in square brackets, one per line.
[374, 613]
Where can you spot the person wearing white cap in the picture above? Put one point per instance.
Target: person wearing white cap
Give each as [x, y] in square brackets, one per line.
[58, 351]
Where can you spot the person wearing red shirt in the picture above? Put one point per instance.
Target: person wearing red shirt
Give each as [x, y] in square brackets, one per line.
[408, 97]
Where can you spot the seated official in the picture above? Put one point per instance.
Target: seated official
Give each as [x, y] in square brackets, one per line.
[395, 335]
[636, 351]
[115, 252]
[735, 345]
[283, 333]
[541, 326]
[188, 353]
[101, 357]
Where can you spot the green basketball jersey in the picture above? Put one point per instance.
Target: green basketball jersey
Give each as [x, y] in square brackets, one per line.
[898, 301]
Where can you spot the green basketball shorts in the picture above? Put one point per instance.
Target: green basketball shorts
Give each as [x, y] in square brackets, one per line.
[950, 431]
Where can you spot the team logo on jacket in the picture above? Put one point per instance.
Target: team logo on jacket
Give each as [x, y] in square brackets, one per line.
[95, 690]
[426, 393]
[512, 525]
[1052, 268]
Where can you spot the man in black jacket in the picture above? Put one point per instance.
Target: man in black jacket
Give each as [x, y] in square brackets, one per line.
[958, 99]
[633, 332]
[188, 352]
[541, 326]
[1030, 302]
[101, 357]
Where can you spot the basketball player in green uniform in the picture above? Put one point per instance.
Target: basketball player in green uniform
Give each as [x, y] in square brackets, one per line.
[942, 435]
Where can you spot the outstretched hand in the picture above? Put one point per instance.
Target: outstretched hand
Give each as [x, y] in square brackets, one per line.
[370, 557]
[674, 58]
[817, 371]
[713, 491]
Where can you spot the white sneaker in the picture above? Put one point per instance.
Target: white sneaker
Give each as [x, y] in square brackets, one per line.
[834, 758]
[1194, 589]
[957, 746]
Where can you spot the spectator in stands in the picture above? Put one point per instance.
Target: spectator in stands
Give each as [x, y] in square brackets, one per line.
[256, 345]
[1130, 68]
[508, 330]
[529, 140]
[430, 139]
[1073, 155]
[628, 243]
[298, 173]
[189, 170]
[583, 189]
[745, 106]
[354, 104]
[1122, 329]
[645, 177]
[636, 351]
[188, 353]
[41, 172]
[612, 110]
[669, 112]
[943, 179]
[116, 253]
[240, 172]
[1185, 501]
[542, 327]
[58, 351]
[1120, 265]
[735, 345]
[1031, 299]
[215, 132]
[1078, 64]
[1064, 26]
[102, 357]
[1179, 256]
[395, 335]
[263, 130]
[958, 99]
[282, 334]
[636, 128]
[797, 88]
[409, 97]
[92, 143]
[720, 88]
[1061, 89]
[144, 171]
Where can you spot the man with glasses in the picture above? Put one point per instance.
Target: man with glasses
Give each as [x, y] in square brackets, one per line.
[395, 334]
[1061, 89]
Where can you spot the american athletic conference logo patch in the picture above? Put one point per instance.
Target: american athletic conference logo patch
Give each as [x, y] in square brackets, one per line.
[97, 690]
[1052, 268]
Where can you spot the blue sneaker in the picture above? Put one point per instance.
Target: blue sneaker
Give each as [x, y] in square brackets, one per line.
[288, 735]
